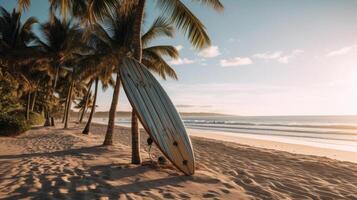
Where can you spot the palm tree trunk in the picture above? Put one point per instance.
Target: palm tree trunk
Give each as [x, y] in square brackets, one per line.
[56, 78]
[47, 122]
[68, 106]
[135, 134]
[52, 121]
[86, 103]
[86, 129]
[137, 43]
[64, 111]
[109, 135]
[135, 141]
[28, 106]
[33, 101]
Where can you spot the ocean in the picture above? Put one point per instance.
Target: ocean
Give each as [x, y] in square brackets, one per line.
[333, 132]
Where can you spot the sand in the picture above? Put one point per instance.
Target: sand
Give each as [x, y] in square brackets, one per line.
[53, 163]
[281, 146]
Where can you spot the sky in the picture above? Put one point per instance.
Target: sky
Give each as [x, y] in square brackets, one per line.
[271, 57]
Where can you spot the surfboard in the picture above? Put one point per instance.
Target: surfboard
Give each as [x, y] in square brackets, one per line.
[157, 114]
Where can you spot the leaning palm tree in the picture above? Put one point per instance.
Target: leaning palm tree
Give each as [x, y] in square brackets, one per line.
[105, 77]
[84, 102]
[76, 87]
[112, 44]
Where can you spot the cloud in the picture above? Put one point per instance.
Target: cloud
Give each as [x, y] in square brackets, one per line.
[237, 61]
[342, 51]
[181, 61]
[192, 106]
[184, 106]
[210, 52]
[279, 56]
[179, 47]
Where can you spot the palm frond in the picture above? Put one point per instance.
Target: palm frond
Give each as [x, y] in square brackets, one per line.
[160, 27]
[23, 5]
[99, 9]
[157, 64]
[97, 37]
[186, 21]
[163, 50]
[215, 4]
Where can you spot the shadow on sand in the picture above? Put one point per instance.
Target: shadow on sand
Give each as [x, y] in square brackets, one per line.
[56, 178]
[98, 150]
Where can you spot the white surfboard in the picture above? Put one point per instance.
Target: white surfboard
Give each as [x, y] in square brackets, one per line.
[157, 114]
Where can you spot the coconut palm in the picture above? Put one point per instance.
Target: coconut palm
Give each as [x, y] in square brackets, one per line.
[184, 20]
[76, 87]
[106, 79]
[153, 60]
[15, 38]
[84, 102]
[62, 39]
[111, 44]
[119, 40]
[15, 42]
[96, 74]
[89, 121]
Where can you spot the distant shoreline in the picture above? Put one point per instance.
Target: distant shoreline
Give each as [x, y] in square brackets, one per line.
[302, 149]
[183, 114]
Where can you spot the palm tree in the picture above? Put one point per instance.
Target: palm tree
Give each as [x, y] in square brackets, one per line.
[89, 121]
[105, 77]
[116, 45]
[108, 47]
[15, 46]
[62, 40]
[15, 38]
[185, 20]
[153, 60]
[84, 102]
[76, 82]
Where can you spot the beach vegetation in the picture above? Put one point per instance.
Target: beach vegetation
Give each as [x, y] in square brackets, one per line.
[12, 125]
[35, 118]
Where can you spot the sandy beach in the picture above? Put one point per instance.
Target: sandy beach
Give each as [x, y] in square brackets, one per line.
[53, 163]
[281, 146]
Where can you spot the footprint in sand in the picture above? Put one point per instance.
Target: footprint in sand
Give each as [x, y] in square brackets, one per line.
[225, 190]
[209, 195]
[168, 196]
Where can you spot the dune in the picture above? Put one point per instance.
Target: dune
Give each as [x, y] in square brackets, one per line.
[53, 163]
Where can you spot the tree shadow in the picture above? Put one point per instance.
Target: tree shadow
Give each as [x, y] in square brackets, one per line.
[132, 179]
[95, 150]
